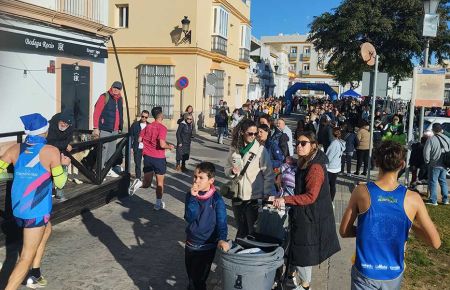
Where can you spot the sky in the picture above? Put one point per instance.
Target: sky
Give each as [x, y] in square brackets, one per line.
[271, 17]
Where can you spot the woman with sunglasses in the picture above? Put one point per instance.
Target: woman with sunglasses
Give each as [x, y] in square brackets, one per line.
[258, 179]
[313, 229]
[276, 155]
[184, 137]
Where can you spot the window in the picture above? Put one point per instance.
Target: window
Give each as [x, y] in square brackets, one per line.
[399, 90]
[220, 74]
[293, 67]
[293, 49]
[156, 87]
[220, 22]
[122, 16]
[306, 66]
[246, 34]
[307, 50]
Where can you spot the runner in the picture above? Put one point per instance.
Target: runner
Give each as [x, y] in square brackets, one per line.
[31, 196]
[154, 139]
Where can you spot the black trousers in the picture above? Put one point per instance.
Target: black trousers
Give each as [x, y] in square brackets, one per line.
[332, 180]
[198, 265]
[245, 215]
[137, 153]
[347, 162]
[362, 157]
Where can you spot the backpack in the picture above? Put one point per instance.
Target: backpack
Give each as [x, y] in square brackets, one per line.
[446, 154]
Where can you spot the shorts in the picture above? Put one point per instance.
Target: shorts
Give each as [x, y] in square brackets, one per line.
[360, 282]
[157, 165]
[33, 223]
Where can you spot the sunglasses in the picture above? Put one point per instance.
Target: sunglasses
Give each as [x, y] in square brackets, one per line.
[189, 119]
[145, 117]
[302, 143]
[251, 133]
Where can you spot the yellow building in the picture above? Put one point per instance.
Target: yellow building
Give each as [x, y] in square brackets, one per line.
[155, 52]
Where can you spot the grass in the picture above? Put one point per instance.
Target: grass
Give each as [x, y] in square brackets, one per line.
[427, 268]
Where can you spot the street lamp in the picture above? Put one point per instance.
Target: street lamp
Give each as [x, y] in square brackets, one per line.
[185, 22]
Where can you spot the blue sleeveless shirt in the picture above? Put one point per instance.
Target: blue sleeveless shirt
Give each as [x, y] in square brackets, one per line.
[31, 194]
[382, 233]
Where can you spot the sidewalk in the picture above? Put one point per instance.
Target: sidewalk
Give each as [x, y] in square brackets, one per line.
[127, 245]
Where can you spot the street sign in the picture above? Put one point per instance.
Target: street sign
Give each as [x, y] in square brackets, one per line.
[367, 84]
[429, 86]
[182, 83]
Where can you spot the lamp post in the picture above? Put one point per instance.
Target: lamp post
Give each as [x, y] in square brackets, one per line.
[185, 22]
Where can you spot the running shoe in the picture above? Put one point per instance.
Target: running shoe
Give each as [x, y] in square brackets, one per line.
[159, 205]
[36, 283]
[137, 183]
[112, 174]
[431, 203]
[445, 202]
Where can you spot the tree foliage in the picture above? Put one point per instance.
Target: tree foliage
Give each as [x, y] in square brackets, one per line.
[394, 27]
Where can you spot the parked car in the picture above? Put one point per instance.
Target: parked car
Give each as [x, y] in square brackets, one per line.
[429, 121]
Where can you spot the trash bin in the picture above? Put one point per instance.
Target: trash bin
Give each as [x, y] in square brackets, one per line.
[250, 271]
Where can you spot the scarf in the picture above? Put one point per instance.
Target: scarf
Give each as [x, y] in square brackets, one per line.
[247, 148]
[207, 194]
[35, 139]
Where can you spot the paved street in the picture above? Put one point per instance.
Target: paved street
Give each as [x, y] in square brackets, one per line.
[127, 245]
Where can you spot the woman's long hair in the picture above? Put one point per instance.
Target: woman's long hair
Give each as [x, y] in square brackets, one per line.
[303, 160]
[238, 139]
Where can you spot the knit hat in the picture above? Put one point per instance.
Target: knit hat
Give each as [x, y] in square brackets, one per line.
[35, 124]
[117, 85]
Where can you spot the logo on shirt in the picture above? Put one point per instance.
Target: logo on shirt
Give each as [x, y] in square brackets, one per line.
[381, 267]
[389, 199]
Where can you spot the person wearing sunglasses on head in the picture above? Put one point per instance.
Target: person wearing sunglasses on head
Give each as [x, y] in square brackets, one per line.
[136, 147]
[255, 180]
[313, 232]
[184, 137]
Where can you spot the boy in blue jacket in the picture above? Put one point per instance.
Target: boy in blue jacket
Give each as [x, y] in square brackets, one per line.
[207, 228]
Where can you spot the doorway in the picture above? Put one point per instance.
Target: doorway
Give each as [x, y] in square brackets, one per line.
[75, 88]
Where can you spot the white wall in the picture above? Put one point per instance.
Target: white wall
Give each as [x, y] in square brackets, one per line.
[50, 4]
[24, 95]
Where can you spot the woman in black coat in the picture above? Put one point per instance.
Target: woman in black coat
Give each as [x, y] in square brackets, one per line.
[313, 229]
[184, 136]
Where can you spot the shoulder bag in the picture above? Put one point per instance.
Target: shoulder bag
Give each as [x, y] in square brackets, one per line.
[230, 190]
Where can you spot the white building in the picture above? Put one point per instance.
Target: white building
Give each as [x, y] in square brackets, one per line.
[305, 63]
[269, 68]
[52, 58]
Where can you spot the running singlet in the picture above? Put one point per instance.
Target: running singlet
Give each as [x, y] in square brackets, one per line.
[381, 234]
[31, 193]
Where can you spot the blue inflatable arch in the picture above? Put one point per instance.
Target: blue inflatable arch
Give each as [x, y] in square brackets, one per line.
[307, 86]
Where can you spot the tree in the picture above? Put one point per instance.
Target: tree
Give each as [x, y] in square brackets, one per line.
[394, 27]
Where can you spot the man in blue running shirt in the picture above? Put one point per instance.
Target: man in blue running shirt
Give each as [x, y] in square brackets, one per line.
[386, 211]
[35, 163]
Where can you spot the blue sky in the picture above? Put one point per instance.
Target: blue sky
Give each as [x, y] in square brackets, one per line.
[271, 17]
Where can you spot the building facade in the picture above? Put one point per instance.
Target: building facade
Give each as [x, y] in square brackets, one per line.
[52, 58]
[155, 52]
[305, 63]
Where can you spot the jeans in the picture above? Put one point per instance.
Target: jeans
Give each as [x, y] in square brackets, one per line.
[220, 134]
[362, 157]
[304, 273]
[108, 148]
[347, 162]
[137, 153]
[198, 265]
[437, 175]
[245, 215]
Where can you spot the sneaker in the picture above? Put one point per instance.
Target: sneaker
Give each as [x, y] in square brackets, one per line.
[112, 174]
[445, 202]
[77, 181]
[159, 205]
[137, 183]
[431, 203]
[35, 283]
[153, 184]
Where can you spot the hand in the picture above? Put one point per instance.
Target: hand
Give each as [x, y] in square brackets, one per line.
[69, 148]
[171, 147]
[180, 145]
[235, 170]
[194, 189]
[65, 160]
[271, 198]
[278, 202]
[96, 133]
[223, 245]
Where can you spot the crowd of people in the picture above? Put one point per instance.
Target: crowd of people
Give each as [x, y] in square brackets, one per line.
[295, 169]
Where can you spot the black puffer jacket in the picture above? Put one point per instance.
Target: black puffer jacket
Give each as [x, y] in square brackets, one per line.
[314, 237]
[184, 137]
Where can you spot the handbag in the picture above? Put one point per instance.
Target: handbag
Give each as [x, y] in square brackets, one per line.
[230, 190]
[446, 154]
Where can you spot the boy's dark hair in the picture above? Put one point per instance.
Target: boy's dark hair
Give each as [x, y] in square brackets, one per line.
[145, 112]
[390, 156]
[156, 111]
[208, 168]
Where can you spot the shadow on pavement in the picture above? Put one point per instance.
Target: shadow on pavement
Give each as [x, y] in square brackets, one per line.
[154, 261]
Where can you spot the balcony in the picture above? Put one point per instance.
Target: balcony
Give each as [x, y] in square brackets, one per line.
[219, 44]
[91, 10]
[305, 56]
[304, 72]
[293, 56]
[244, 55]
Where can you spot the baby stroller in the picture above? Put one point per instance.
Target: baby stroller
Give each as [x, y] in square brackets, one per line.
[258, 260]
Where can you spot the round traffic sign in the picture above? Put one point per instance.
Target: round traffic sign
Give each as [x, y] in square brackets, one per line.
[182, 83]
